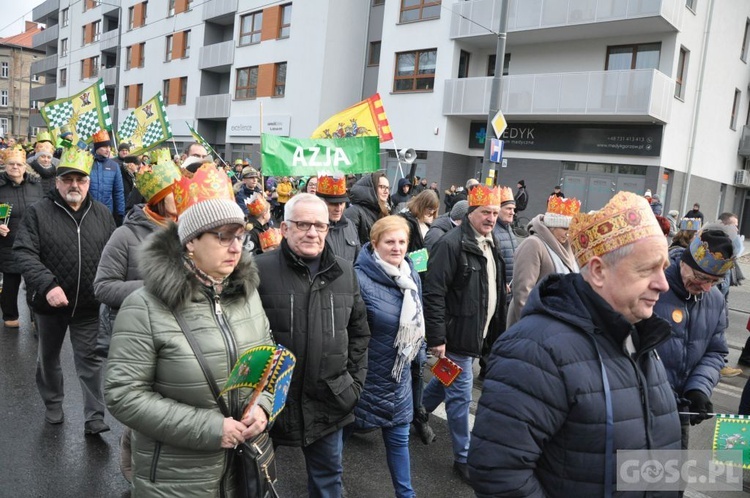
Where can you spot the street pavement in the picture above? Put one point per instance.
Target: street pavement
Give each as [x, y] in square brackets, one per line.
[40, 460]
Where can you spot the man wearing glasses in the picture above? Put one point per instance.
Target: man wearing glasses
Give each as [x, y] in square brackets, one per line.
[315, 310]
[695, 308]
[58, 247]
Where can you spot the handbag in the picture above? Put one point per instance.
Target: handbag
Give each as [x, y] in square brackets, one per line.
[255, 460]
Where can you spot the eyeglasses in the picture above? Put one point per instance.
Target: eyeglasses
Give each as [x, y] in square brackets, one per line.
[226, 238]
[304, 226]
[67, 180]
[384, 187]
[703, 279]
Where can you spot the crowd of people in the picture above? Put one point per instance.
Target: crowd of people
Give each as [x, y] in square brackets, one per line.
[162, 265]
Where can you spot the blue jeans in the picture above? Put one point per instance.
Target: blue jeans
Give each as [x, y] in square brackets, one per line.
[396, 441]
[323, 460]
[457, 399]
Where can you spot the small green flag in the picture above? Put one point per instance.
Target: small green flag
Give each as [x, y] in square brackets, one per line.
[732, 432]
[419, 259]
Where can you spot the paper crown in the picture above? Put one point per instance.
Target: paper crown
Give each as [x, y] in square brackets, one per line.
[154, 181]
[65, 130]
[625, 219]
[43, 136]
[710, 262]
[560, 211]
[481, 195]
[270, 239]
[690, 224]
[506, 195]
[207, 183]
[237, 161]
[44, 148]
[14, 154]
[100, 136]
[331, 186]
[256, 205]
[75, 160]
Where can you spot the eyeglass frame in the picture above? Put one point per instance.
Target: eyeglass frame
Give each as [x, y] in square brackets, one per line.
[702, 278]
[69, 180]
[220, 236]
[319, 226]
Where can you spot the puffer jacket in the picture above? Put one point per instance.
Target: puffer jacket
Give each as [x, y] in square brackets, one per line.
[284, 192]
[384, 402]
[118, 275]
[695, 351]
[343, 239]
[364, 210]
[58, 246]
[456, 292]
[154, 383]
[545, 390]
[322, 319]
[442, 225]
[106, 185]
[508, 245]
[20, 197]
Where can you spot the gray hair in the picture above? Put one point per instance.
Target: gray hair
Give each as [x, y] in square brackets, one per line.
[471, 182]
[610, 259]
[302, 198]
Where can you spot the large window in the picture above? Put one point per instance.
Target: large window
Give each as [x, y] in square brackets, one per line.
[681, 74]
[250, 28]
[415, 71]
[641, 56]
[183, 91]
[247, 83]
[745, 41]
[4, 70]
[279, 86]
[419, 10]
[63, 80]
[286, 21]
[373, 59]
[735, 109]
[3, 98]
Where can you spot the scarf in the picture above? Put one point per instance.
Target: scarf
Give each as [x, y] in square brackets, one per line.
[155, 217]
[203, 277]
[411, 322]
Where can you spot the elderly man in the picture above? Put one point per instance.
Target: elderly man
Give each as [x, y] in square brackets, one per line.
[313, 303]
[464, 301]
[342, 234]
[578, 378]
[250, 178]
[58, 246]
[106, 184]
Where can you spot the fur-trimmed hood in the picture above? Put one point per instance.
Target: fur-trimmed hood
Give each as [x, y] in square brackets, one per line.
[166, 277]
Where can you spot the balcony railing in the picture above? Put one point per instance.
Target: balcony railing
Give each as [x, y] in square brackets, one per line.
[109, 76]
[45, 65]
[217, 9]
[44, 37]
[45, 10]
[638, 94]
[217, 57]
[213, 106]
[744, 149]
[44, 92]
[108, 40]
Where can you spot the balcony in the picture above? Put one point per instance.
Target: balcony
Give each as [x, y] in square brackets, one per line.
[744, 149]
[45, 37]
[45, 65]
[45, 92]
[218, 57]
[109, 76]
[220, 11]
[641, 95]
[540, 21]
[110, 6]
[108, 41]
[45, 10]
[213, 106]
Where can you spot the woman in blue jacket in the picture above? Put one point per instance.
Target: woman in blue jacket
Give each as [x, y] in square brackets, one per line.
[392, 293]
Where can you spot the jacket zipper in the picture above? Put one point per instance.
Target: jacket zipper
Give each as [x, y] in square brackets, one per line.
[291, 318]
[333, 321]
[155, 461]
[78, 230]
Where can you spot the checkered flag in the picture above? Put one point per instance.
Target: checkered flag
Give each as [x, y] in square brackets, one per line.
[60, 114]
[146, 127]
[85, 113]
[128, 127]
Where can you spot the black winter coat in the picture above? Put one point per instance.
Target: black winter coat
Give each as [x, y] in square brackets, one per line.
[456, 292]
[47, 174]
[343, 239]
[322, 319]
[442, 225]
[20, 197]
[364, 210]
[58, 246]
[540, 427]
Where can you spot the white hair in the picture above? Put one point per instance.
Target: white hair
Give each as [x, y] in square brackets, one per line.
[303, 198]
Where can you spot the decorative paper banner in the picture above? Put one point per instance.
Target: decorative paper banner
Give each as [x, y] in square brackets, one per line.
[733, 433]
[85, 113]
[363, 119]
[146, 127]
[308, 157]
[419, 259]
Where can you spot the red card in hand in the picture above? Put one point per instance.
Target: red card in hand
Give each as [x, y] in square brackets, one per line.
[446, 370]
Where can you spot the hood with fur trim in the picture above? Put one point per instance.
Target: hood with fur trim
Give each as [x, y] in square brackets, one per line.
[166, 277]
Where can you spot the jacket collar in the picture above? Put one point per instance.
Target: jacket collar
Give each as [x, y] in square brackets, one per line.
[328, 264]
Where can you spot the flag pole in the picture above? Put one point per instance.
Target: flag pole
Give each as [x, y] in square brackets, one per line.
[400, 168]
[174, 144]
[260, 143]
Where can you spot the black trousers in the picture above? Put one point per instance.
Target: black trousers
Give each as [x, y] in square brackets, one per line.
[9, 296]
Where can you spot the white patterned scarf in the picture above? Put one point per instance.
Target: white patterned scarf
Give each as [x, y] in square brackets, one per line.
[411, 322]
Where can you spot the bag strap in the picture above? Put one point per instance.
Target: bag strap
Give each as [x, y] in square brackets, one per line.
[203, 363]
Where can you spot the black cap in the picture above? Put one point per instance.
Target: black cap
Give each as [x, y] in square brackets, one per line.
[124, 146]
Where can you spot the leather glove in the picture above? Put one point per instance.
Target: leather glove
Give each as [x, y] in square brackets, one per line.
[700, 404]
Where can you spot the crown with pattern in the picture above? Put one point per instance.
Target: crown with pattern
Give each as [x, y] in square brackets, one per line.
[75, 160]
[560, 211]
[270, 239]
[506, 196]
[625, 219]
[707, 261]
[14, 154]
[332, 188]
[100, 136]
[481, 195]
[256, 204]
[207, 183]
[43, 136]
[44, 148]
[154, 180]
[690, 224]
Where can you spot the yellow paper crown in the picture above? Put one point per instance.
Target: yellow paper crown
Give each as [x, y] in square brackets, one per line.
[506, 195]
[625, 219]
[256, 205]
[270, 238]
[43, 136]
[154, 181]
[482, 195]
[77, 159]
[161, 155]
[14, 154]
[564, 207]
[331, 186]
[45, 147]
[206, 183]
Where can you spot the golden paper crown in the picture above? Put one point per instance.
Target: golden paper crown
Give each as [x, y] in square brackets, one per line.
[154, 181]
[562, 206]
[100, 136]
[270, 239]
[43, 136]
[46, 147]
[206, 183]
[14, 154]
[481, 195]
[256, 205]
[506, 195]
[161, 155]
[625, 219]
[331, 186]
[74, 158]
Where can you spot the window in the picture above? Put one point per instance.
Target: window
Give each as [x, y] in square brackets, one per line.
[642, 56]
[415, 71]
[679, 80]
[35, 130]
[463, 64]
[419, 10]
[745, 40]
[286, 21]
[491, 64]
[35, 78]
[4, 70]
[250, 28]
[97, 29]
[690, 4]
[735, 109]
[247, 83]
[170, 8]
[279, 86]
[168, 53]
[63, 77]
[126, 97]
[165, 92]
[373, 58]
[64, 17]
[4, 125]
[128, 58]
[378, 2]
[138, 95]
[131, 19]
[140, 60]
[36, 105]
[186, 44]
[3, 98]
[144, 10]
[183, 91]
[94, 66]
[63, 47]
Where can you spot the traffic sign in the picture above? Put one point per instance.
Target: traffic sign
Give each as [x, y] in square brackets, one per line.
[499, 124]
[496, 150]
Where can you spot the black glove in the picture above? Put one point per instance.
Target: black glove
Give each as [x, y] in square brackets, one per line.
[700, 404]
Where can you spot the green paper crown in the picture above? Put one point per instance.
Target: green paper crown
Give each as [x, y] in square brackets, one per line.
[161, 155]
[44, 136]
[154, 178]
[77, 159]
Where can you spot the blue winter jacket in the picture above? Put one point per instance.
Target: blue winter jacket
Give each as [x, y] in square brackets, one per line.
[508, 245]
[106, 184]
[694, 353]
[384, 402]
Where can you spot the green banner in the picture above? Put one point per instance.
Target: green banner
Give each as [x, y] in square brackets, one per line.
[309, 157]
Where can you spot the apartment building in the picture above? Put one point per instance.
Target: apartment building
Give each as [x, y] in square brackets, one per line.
[600, 95]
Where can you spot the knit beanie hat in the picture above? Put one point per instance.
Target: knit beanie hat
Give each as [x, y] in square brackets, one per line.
[711, 253]
[459, 210]
[208, 214]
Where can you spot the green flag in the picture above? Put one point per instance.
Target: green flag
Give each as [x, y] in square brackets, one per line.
[310, 157]
[732, 432]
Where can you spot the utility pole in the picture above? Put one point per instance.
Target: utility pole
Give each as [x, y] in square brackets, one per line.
[496, 91]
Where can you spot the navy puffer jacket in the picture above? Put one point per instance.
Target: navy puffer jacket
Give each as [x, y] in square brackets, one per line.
[540, 427]
[508, 245]
[384, 402]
